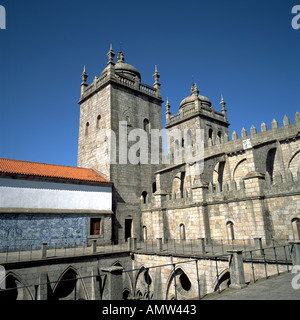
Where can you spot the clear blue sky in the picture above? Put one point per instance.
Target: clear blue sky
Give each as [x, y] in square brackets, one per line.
[246, 50]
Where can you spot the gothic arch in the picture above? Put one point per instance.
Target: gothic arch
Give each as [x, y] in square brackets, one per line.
[127, 281]
[224, 281]
[64, 288]
[218, 174]
[294, 164]
[240, 170]
[184, 285]
[142, 280]
[21, 291]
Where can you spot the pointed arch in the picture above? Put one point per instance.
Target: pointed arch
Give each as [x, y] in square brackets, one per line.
[184, 286]
[143, 279]
[294, 164]
[223, 282]
[18, 290]
[67, 283]
[240, 170]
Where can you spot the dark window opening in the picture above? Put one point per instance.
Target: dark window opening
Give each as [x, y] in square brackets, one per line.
[185, 282]
[95, 226]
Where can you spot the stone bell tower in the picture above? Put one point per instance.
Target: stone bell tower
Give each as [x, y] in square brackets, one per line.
[110, 108]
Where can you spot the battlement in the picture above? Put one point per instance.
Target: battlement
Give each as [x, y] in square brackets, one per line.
[246, 141]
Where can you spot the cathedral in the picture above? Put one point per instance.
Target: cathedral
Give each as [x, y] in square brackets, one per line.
[248, 186]
[239, 188]
[207, 187]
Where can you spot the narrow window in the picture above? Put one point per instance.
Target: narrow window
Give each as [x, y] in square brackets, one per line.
[154, 187]
[144, 195]
[98, 122]
[182, 232]
[87, 128]
[230, 230]
[147, 125]
[145, 233]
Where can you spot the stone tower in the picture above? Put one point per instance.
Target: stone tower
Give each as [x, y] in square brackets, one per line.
[110, 108]
[197, 111]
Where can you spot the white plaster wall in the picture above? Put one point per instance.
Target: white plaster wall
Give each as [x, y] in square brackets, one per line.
[49, 195]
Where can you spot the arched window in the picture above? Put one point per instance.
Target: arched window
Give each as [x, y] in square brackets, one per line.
[210, 133]
[230, 230]
[98, 123]
[296, 228]
[182, 231]
[147, 125]
[144, 195]
[145, 233]
[87, 128]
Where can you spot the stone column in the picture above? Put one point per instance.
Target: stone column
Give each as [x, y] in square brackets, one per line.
[295, 252]
[159, 244]
[44, 250]
[94, 246]
[95, 284]
[131, 244]
[202, 245]
[258, 247]
[236, 268]
[113, 283]
[43, 287]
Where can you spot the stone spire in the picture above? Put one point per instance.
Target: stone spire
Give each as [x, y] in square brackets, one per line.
[84, 77]
[168, 112]
[194, 89]
[156, 85]
[223, 110]
[110, 63]
[111, 56]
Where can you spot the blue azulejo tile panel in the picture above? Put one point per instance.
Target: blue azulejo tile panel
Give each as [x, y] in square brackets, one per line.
[28, 231]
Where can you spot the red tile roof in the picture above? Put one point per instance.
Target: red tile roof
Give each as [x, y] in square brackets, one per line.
[49, 170]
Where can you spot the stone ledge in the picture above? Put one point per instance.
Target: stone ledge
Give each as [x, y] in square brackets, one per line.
[54, 211]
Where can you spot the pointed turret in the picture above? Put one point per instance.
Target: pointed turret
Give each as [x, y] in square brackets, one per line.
[156, 85]
[194, 90]
[111, 55]
[110, 63]
[223, 110]
[84, 77]
[168, 112]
